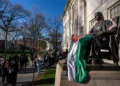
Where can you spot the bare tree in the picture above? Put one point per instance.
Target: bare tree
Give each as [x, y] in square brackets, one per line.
[24, 35]
[35, 24]
[15, 37]
[9, 13]
[55, 34]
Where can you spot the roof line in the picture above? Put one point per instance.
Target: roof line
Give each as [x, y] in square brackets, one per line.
[66, 7]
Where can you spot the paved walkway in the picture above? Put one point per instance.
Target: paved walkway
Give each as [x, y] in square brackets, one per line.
[24, 77]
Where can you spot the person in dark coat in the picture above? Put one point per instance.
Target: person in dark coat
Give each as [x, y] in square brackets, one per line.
[21, 62]
[13, 72]
[5, 72]
[25, 60]
[10, 59]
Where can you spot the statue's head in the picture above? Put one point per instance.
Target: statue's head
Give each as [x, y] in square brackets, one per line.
[98, 16]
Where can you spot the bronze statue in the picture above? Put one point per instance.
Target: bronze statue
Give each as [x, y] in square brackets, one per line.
[103, 32]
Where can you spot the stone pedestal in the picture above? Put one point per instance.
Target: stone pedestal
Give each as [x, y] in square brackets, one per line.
[59, 70]
[97, 78]
[100, 75]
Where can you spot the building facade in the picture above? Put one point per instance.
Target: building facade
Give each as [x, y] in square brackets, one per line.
[48, 46]
[2, 39]
[78, 16]
[2, 35]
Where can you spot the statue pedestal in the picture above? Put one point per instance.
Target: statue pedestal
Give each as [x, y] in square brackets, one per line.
[103, 78]
[100, 75]
[102, 67]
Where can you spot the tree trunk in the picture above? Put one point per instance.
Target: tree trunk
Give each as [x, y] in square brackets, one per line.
[5, 43]
[39, 45]
[16, 46]
[24, 45]
[32, 46]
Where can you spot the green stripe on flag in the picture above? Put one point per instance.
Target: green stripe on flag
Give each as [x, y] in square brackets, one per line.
[80, 65]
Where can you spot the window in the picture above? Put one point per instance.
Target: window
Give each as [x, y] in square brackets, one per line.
[115, 10]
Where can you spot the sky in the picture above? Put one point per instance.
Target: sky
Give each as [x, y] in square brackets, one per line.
[49, 8]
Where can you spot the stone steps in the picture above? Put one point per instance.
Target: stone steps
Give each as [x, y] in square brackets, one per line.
[103, 67]
[99, 75]
[97, 78]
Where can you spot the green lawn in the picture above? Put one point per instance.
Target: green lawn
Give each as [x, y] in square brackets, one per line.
[11, 53]
[8, 55]
[48, 78]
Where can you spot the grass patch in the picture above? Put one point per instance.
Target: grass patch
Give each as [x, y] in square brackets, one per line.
[48, 78]
[7, 56]
[50, 73]
[11, 53]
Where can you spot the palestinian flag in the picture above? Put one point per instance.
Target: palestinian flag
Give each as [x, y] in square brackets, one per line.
[75, 39]
[75, 61]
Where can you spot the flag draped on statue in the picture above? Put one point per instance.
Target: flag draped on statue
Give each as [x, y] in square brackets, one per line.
[75, 61]
[71, 62]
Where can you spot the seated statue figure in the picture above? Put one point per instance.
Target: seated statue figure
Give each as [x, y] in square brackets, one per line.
[102, 37]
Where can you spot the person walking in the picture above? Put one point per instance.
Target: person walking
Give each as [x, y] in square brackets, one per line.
[38, 63]
[5, 72]
[13, 72]
[21, 62]
[1, 62]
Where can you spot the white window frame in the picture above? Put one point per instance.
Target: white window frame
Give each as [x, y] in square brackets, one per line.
[112, 7]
